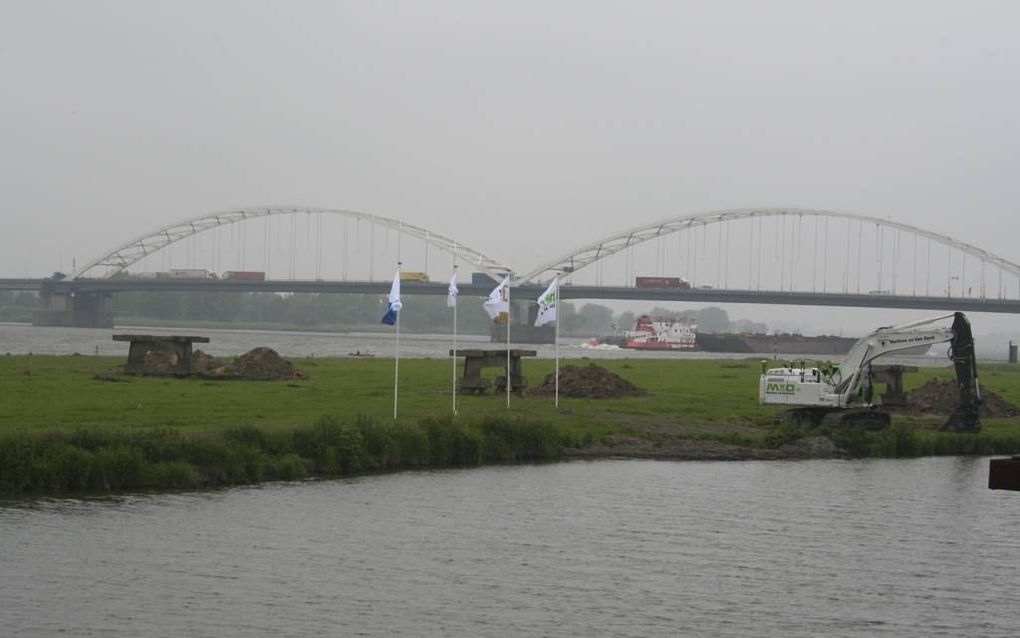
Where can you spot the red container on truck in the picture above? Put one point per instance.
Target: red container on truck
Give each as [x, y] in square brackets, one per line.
[244, 275]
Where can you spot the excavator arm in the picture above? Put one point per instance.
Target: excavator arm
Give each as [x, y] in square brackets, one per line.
[965, 418]
[854, 369]
[846, 388]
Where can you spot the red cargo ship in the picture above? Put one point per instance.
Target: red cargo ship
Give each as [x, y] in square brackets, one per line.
[656, 333]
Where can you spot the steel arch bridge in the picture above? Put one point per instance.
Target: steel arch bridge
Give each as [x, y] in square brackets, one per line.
[593, 253]
[133, 251]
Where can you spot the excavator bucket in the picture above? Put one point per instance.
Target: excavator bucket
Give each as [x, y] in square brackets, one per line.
[963, 420]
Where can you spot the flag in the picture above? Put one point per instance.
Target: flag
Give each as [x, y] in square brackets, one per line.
[497, 306]
[547, 303]
[452, 292]
[394, 306]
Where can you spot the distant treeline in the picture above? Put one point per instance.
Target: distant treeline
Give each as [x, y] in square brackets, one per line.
[17, 305]
[421, 313]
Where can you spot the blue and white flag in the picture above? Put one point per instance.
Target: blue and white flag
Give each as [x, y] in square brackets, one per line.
[394, 306]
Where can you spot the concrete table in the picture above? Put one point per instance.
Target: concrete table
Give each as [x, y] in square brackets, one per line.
[892, 377]
[474, 360]
[173, 350]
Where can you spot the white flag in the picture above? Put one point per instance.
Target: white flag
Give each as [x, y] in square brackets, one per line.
[452, 292]
[497, 306]
[393, 307]
[547, 302]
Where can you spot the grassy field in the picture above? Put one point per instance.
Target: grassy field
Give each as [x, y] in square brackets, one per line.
[62, 392]
[79, 408]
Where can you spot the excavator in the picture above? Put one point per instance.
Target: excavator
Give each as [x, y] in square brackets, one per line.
[842, 394]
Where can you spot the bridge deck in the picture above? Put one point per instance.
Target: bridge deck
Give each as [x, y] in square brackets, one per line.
[530, 291]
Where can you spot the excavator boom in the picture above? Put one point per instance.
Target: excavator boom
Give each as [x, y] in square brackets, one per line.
[965, 418]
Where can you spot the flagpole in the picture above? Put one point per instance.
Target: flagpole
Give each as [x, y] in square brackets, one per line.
[508, 381]
[556, 340]
[453, 357]
[396, 360]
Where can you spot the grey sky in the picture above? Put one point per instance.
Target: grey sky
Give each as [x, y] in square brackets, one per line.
[520, 128]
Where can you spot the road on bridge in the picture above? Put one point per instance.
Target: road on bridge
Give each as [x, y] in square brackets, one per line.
[530, 291]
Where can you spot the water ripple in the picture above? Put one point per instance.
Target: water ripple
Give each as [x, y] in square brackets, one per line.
[611, 548]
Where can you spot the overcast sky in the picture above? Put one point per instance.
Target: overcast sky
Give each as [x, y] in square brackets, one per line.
[520, 128]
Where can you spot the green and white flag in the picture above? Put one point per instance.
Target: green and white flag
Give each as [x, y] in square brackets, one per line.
[547, 303]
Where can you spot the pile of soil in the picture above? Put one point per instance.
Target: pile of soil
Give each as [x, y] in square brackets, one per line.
[205, 364]
[589, 382]
[941, 396]
[264, 363]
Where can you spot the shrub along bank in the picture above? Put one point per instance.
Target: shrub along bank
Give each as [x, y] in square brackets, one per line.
[102, 460]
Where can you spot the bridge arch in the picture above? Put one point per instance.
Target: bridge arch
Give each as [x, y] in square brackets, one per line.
[133, 251]
[592, 253]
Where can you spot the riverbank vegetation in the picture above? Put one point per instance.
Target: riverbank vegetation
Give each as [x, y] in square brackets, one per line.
[73, 424]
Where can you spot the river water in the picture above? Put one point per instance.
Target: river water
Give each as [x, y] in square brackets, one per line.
[19, 338]
[607, 548]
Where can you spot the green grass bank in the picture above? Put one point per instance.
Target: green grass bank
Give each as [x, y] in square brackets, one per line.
[72, 424]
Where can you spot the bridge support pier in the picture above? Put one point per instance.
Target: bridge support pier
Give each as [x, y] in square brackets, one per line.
[522, 326]
[74, 310]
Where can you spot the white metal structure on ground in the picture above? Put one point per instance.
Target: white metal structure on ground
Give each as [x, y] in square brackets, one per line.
[137, 249]
[578, 259]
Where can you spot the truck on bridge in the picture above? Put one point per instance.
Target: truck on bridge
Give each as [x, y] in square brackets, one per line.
[244, 275]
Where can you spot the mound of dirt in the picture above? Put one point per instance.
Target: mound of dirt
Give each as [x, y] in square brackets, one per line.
[264, 364]
[206, 364]
[941, 396]
[588, 382]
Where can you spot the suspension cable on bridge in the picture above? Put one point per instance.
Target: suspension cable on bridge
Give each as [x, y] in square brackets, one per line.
[267, 224]
[860, 246]
[346, 247]
[949, 271]
[796, 251]
[825, 257]
[761, 242]
[371, 250]
[694, 257]
[243, 242]
[318, 246]
[718, 258]
[726, 269]
[814, 261]
[846, 266]
[880, 231]
[913, 282]
[750, 255]
[963, 275]
[680, 254]
[688, 233]
[783, 255]
[927, 272]
[896, 257]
